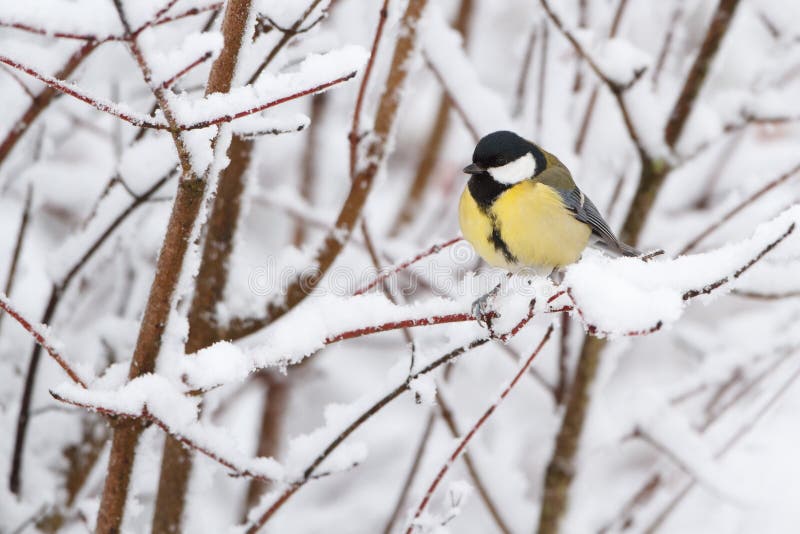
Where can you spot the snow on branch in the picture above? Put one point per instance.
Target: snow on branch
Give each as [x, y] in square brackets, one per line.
[322, 321]
[316, 74]
[120, 111]
[43, 338]
[317, 449]
[612, 297]
[628, 295]
[464, 442]
[154, 398]
[86, 20]
[435, 249]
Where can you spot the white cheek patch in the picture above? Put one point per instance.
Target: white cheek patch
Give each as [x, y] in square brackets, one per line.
[516, 171]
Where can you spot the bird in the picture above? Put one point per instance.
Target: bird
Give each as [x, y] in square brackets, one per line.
[521, 210]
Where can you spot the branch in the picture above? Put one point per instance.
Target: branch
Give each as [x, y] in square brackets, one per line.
[166, 84]
[96, 102]
[692, 293]
[42, 338]
[236, 467]
[355, 135]
[616, 88]
[41, 101]
[691, 245]
[720, 21]
[435, 249]
[352, 427]
[475, 428]
[21, 233]
[261, 107]
[362, 181]
[144, 121]
[480, 485]
[184, 217]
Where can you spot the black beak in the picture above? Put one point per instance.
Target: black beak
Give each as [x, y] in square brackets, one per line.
[472, 169]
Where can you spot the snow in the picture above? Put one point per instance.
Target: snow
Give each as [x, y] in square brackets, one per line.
[626, 294]
[194, 46]
[292, 338]
[484, 109]
[154, 395]
[85, 17]
[315, 70]
[712, 390]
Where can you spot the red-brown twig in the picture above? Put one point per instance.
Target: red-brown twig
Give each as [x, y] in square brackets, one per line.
[355, 136]
[261, 107]
[144, 121]
[366, 415]
[97, 39]
[478, 424]
[145, 414]
[769, 186]
[41, 338]
[96, 102]
[687, 295]
[435, 249]
[166, 84]
[739, 272]
[395, 325]
[617, 89]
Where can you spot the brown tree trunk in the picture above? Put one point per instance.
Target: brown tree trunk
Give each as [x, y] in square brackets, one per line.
[185, 211]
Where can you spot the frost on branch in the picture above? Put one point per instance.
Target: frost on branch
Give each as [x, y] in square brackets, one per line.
[626, 294]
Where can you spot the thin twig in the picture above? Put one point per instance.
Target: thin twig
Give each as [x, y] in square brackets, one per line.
[21, 232]
[469, 462]
[720, 21]
[769, 186]
[366, 415]
[478, 424]
[355, 136]
[143, 121]
[412, 473]
[42, 338]
[145, 414]
[435, 249]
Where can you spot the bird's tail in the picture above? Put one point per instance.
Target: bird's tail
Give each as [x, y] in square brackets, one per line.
[627, 250]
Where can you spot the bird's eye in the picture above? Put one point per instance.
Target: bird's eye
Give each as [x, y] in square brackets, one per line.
[501, 161]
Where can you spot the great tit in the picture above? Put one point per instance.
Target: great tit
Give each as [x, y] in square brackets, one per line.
[522, 210]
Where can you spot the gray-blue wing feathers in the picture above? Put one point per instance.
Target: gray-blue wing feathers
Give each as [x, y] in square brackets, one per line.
[585, 211]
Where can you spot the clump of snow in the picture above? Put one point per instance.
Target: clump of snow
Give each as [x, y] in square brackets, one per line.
[315, 70]
[424, 389]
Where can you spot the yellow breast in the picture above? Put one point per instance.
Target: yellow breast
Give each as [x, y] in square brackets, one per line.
[532, 223]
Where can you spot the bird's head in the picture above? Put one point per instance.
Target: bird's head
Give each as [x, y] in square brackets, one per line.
[507, 157]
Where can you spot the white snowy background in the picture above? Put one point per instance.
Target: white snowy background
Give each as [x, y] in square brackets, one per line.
[692, 423]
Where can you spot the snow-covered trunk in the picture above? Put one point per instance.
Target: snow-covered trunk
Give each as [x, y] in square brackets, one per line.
[182, 226]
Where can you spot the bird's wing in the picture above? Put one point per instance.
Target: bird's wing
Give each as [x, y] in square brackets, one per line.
[583, 209]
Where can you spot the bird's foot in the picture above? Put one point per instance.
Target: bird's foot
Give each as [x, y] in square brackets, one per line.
[483, 309]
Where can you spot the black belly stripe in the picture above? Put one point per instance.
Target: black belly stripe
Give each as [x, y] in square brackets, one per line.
[499, 245]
